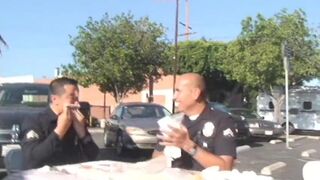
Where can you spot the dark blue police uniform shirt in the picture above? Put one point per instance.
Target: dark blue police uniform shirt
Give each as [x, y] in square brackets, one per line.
[213, 131]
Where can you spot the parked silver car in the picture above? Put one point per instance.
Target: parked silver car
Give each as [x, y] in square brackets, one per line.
[134, 125]
[257, 126]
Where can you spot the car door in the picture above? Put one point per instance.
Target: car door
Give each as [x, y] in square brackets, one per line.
[112, 125]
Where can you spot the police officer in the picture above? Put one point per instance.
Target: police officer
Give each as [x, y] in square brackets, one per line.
[206, 136]
[58, 135]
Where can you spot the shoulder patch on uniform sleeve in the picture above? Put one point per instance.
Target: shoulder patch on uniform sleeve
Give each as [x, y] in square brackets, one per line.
[208, 129]
[32, 135]
[228, 133]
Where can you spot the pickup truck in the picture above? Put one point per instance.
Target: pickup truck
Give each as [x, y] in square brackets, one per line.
[18, 101]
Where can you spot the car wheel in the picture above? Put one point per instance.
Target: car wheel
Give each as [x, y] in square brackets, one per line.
[106, 140]
[291, 128]
[119, 145]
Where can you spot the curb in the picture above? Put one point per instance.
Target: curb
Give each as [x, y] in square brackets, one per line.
[275, 141]
[293, 139]
[243, 148]
[268, 170]
[308, 153]
[314, 137]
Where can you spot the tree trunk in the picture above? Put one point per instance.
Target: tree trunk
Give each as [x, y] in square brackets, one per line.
[104, 105]
[150, 97]
[116, 94]
[277, 100]
[233, 93]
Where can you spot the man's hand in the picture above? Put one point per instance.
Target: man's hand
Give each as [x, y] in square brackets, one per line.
[178, 137]
[63, 123]
[78, 122]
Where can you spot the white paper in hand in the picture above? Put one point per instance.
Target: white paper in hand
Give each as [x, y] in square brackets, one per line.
[175, 120]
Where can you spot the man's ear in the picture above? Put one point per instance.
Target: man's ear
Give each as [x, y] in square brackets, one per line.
[196, 93]
[53, 99]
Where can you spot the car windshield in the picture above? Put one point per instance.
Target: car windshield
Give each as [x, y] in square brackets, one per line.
[143, 111]
[29, 96]
[219, 106]
[244, 113]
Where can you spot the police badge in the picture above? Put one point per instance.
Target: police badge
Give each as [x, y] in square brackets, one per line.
[208, 129]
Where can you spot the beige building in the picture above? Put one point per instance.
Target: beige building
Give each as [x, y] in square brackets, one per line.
[162, 93]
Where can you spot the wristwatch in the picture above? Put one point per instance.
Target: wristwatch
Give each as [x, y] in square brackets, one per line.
[193, 151]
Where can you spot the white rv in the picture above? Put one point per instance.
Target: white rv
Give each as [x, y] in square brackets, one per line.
[304, 108]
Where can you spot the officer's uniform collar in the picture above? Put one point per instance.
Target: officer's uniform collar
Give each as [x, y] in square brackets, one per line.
[193, 120]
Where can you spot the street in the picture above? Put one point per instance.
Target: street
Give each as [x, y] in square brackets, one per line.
[262, 154]
[110, 154]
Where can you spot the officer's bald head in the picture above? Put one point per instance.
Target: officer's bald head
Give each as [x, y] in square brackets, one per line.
[196, 81]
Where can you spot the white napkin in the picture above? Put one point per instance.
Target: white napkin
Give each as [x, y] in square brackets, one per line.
[171, 152]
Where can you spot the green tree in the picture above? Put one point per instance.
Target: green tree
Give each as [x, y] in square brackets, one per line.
[118, 54]
[206, 58]
[3, 42]
[255, 57]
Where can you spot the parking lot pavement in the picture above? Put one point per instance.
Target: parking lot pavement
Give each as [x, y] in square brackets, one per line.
[110, 154]
[262, 154]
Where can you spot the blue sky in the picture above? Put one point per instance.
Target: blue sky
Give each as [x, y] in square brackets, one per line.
[37, 31]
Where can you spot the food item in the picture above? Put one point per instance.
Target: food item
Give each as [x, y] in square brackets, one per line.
[174, 121]
[73, 106]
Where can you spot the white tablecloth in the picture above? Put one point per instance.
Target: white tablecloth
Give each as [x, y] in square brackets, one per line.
[149, 170]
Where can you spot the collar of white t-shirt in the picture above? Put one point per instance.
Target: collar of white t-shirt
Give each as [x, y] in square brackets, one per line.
[194, 117]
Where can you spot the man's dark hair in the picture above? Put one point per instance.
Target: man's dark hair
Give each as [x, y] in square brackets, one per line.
[56, 86]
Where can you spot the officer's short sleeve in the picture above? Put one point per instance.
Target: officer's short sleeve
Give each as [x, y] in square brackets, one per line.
[224, 142]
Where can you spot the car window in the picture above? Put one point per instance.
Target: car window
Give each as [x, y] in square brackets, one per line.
[219, 106]
[143, 111]
[29, 96]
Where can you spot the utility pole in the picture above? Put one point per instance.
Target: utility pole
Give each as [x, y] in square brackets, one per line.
[175, 58]
[286, 55]
[187, 20]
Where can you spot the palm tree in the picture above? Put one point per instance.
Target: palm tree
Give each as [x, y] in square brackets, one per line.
[3, 42]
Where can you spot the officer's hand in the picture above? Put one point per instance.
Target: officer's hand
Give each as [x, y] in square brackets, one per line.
[178, 137]
[78, 116]
[63, 123]
[78, 122]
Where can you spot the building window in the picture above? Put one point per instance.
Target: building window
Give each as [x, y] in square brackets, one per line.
[307, 105]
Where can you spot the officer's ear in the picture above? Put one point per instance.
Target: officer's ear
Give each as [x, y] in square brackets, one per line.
[196, 93]
[53, 99]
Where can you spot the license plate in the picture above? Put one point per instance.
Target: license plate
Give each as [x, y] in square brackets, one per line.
[269, 133]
